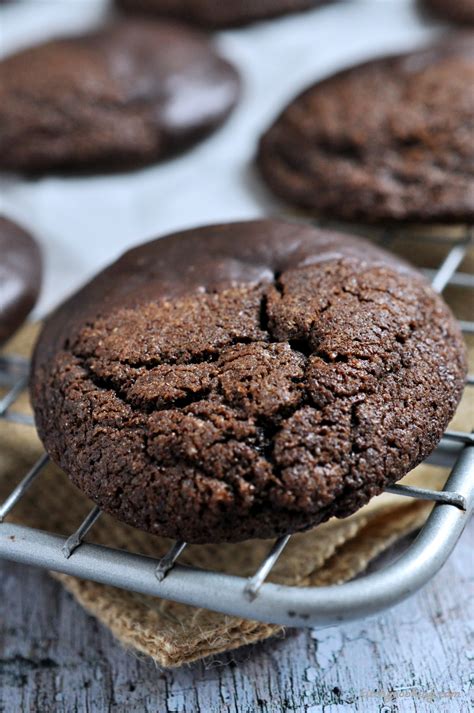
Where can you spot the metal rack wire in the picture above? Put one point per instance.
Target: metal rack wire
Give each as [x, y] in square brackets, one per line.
[254, 597]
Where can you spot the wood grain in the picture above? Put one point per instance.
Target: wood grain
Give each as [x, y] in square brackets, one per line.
[416, 658]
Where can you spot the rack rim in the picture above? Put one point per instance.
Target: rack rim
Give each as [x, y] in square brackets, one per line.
[276, 603]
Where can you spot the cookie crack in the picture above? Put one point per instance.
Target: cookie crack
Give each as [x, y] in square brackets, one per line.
[266, 427]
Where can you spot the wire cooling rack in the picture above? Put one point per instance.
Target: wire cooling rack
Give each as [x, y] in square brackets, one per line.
[253, 597]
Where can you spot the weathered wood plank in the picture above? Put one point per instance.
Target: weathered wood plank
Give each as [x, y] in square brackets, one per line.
[416, 658]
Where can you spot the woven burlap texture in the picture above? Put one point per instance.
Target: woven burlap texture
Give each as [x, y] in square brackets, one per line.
[171, 633]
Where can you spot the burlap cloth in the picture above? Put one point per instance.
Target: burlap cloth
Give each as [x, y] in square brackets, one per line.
[174, 634]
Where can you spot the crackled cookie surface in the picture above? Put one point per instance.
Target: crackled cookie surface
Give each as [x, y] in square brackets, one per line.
[215, 13]
[125, 95]
[246, 380]
[389, 140]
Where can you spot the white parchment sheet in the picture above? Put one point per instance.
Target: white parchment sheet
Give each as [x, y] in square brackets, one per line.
[83, 223]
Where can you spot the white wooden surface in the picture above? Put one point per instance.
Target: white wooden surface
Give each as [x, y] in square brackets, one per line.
[416, 658]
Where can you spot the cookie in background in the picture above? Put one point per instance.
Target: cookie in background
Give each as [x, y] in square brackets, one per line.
[125, 95]
[20, 276]
[459, 11]
[387, 141]
[218, 13]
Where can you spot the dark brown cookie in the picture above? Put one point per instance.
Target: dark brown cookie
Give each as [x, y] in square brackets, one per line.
[216, 13]
[389, 140]
[461, 11]
[246, 380]
[126, 95]
[20, 276]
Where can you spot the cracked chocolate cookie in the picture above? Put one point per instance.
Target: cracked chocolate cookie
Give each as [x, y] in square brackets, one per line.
[20, 276]
[246, 380]
[123, 96]
[461, 11]
[215, 13]
[389, 140]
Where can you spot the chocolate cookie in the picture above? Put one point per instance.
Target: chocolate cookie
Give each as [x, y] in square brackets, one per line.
[215, 13]
[389, 140]
[126, 95]
[461, 11]
[20, 276]
[246, 380]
